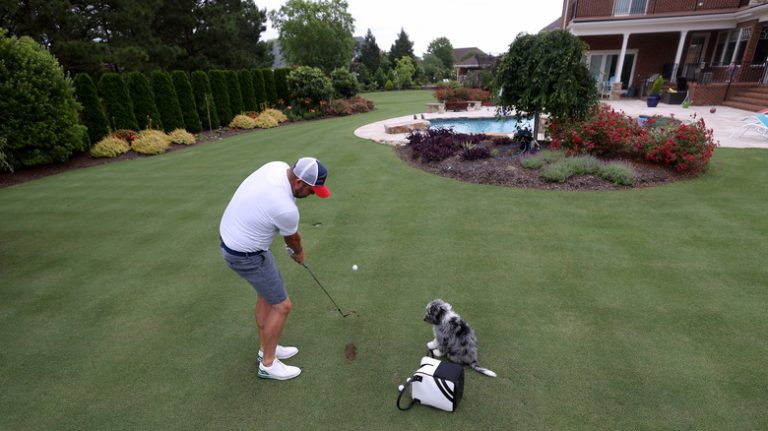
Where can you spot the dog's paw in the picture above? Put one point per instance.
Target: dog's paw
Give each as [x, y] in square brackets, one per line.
[437, 352]
[432, 344]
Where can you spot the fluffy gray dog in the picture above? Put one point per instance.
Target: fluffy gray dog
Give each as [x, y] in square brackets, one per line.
[453, 336]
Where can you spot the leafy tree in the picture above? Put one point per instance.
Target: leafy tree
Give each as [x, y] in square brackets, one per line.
[206, 107]
[269, 86]
[281, 84]
[144, 106]
[380, 78]
[363, 75]
[235, 94]
[309, 83]
[220, 92]
[186, 100]
[546, 73]
[404, 72]
[434, 69]
[117, 102]
[370, 54]
[167, 101]
[401, 48]
[92, 115]
[345, 84]
[315, 33]
[246, 89]
[259, 91]
[38, 110]
[442, 49]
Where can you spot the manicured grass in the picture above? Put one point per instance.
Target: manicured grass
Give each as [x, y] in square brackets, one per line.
[602, 310]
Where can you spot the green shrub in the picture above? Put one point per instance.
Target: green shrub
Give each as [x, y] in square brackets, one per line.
[389, 86]
[151, 142]
[269, 87]
[281, 86]
[186, 101]
[117, 102]
[618, 173]
[259, 93]
[246, 89]
[110, 146]
[167, 101]
[181, 136]
[39, 116]
[92, 116]
[4, 164]
[344, 83]
[206, 107]
[309, 86]
[235, 94]
[537, 161]
[532, 162]
[218, 80]
[242, 122]
[556, 172]
[143, 99]
[582, 165]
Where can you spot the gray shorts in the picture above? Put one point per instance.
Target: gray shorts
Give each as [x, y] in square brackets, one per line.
[261, 271]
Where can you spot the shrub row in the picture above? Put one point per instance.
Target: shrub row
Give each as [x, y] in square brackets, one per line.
[148, 141]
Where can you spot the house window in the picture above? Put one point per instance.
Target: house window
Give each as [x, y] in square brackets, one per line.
[761, 53]
[629, 7]
[730, 46]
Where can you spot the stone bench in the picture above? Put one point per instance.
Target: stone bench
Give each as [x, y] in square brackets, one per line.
[474, 105]
[436, 107]
[405, 126]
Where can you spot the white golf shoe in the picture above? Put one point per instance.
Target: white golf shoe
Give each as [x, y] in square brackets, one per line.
[282, 352]
[278, 371]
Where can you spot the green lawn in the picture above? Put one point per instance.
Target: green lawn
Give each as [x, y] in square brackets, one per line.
[638, 310]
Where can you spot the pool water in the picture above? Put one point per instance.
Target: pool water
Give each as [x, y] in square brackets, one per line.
[479, 125]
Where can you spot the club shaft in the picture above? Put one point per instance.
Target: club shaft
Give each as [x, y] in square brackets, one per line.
[326, 292]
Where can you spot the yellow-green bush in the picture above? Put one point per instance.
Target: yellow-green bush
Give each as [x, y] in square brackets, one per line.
[242, 122]
[151, 142]
[110, 147]
[276, 114]
[181, 136]
[265, 121]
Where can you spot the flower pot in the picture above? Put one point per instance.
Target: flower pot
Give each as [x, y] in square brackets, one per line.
[653, 100]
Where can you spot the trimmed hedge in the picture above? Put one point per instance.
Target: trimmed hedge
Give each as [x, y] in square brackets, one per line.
[92, 116]
[206, 107]
[281, 85]
[220, 93]
[269, 86]
[235, 95]
[167, 101]
[246, 89]
[186, 101]
[117, 102]
[144, 107]
[39, 118]
[259, 92]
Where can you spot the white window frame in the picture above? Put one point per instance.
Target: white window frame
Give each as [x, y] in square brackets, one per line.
[624, 7]
[616, 52]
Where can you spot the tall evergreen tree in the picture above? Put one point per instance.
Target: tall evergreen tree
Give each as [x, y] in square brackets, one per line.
[246, 88]
[220, 93]
[281, 84]
[402, 47]
[186, 101]
[206, 107]
[117, 102]
[269, 86]
[92, 115]
[235, 95]
[259, 91]
[370, 53]
[167, 101]
[143, 98]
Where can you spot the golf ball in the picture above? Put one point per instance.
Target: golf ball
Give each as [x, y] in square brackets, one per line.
[354, 267]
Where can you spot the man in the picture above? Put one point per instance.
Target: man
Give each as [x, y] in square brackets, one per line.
[263, 206]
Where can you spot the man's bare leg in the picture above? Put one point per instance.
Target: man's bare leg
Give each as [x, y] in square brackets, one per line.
[271, 320]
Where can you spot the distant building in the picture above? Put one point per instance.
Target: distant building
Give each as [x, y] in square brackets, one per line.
[468, 60]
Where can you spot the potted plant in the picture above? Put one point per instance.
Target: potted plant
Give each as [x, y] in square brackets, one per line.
[655, 92]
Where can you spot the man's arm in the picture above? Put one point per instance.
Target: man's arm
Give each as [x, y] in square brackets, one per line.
[294, 243]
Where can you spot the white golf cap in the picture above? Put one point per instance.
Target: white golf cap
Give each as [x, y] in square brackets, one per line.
[312, 172]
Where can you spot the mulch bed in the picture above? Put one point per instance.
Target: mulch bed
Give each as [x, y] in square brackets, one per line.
[508, 172]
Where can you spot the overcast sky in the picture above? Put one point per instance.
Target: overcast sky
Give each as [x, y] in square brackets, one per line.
[490, 25]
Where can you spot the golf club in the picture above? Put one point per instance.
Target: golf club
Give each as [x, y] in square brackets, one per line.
[290, 253]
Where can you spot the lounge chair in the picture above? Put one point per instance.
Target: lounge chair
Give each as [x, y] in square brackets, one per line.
[758, 124]
[605, 87]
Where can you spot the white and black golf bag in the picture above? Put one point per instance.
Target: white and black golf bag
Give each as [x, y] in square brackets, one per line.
[436, 383]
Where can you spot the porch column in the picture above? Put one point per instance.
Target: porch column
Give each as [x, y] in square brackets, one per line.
[616, 86]
[678, 56]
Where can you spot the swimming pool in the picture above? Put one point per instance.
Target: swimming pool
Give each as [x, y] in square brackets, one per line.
[479, 125]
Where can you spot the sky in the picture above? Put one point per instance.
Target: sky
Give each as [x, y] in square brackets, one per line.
[490, 25]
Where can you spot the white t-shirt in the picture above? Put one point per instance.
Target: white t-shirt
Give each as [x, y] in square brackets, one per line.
[262, 207]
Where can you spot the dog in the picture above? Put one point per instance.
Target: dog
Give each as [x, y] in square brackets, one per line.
[453, 336]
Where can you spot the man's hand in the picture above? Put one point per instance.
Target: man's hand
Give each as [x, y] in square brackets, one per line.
[294, 248]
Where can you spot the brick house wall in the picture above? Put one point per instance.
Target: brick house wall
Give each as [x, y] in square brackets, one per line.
[604, 8]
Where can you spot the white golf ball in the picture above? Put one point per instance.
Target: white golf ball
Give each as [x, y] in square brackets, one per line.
[354, 267]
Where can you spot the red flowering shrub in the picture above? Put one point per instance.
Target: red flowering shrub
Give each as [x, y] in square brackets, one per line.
[125, 134]
[686, 148]
[461, 94]
[605, 133]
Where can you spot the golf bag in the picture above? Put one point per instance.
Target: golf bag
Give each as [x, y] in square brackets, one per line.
[436, 383]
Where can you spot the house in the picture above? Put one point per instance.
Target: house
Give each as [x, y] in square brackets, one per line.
[470, 60]
[711, 46]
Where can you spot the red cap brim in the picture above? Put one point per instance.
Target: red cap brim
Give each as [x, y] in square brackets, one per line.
[321, 191]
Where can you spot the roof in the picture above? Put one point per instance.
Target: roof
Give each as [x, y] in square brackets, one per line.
[460, 53]
[554, 25]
